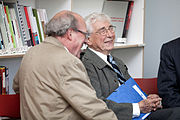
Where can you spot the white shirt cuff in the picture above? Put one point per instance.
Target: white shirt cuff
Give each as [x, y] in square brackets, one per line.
[136, 110]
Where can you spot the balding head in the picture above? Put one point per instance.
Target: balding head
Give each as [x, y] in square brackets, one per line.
[61, 22]
[70, 29]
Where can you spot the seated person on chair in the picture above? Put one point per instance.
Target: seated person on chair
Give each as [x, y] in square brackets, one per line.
[169, 74]
[107, 73]
[52, 82]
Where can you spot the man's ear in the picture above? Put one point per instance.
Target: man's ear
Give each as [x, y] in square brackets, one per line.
[70, 34]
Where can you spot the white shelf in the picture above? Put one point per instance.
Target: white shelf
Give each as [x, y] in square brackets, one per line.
[13, 52]
[128, 46]
[12, 55]
[15, 55]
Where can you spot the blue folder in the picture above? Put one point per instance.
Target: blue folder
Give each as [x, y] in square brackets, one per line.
[129, 92]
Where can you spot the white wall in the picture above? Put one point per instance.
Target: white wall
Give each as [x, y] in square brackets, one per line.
[80, 6]
[53, 6]
[162, 24]
[132, 57]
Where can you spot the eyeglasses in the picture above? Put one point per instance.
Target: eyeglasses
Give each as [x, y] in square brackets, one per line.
[84, 33]
[104, 31]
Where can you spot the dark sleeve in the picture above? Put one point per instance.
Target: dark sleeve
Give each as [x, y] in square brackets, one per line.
[122, 110]
[167, 78]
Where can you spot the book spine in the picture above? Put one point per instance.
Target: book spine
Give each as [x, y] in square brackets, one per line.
[26, 30]
[4, 36]
[37, 38]
[128, 19]
[29, 26]
[38, 24]
[7, 79]
[44, 20]
[41, 27]
[10, 26]
[19, 23]
[33, 25]
[1, 41]
[16, 27]
[3, 80]
[8, 42]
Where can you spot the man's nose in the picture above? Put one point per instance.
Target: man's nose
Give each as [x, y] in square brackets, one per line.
[109, 33]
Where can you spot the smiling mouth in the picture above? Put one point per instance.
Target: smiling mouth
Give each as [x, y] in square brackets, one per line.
[108, 41]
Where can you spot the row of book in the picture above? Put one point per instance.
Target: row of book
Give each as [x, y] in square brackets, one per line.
[4, 80]
[120, 13]
[20, 27]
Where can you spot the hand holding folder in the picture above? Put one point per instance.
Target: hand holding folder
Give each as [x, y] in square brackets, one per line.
[129, 92]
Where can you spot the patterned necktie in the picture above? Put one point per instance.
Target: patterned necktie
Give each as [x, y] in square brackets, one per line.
[116, 69]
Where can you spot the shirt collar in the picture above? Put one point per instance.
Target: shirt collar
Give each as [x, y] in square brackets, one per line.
[66, 48]
[101, 55]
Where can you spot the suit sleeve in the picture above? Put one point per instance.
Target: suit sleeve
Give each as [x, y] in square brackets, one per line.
[78, 92]
[122, 110]
[167, 78]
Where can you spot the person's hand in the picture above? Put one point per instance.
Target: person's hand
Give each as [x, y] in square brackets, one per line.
[158, 103]
[152, 103]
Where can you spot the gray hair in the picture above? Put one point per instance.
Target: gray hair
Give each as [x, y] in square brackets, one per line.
[92, 18]
[59, 26]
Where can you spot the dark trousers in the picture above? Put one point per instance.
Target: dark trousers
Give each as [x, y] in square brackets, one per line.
[165, 114]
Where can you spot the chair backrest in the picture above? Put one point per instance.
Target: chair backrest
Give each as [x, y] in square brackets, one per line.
[10, 106]
[148, 85]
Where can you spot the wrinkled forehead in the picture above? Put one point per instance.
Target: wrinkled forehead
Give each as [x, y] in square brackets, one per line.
[100, 24]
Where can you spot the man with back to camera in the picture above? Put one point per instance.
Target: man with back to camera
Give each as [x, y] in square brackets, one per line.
[105, 79]
[52, 82]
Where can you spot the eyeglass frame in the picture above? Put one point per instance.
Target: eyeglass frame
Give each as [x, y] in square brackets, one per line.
[84, 33]
[106, 30]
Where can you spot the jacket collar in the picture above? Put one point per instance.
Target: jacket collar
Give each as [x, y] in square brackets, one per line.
[95, 59]
[54, 41]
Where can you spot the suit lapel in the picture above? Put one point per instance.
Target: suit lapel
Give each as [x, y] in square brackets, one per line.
[95, 59]
[100, 63]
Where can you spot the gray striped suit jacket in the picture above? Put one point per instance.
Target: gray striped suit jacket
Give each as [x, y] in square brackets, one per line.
[105, 81]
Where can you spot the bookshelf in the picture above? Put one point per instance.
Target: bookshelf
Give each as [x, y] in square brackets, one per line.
[131, 53]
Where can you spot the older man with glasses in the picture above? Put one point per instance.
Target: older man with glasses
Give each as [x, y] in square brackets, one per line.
[107, 72]
[52, 82]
